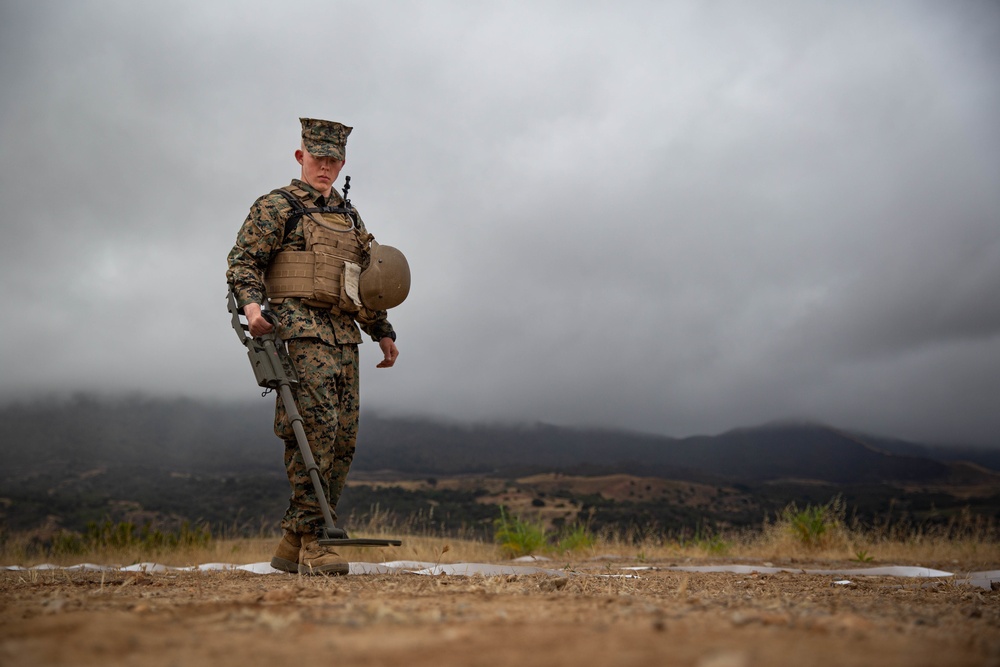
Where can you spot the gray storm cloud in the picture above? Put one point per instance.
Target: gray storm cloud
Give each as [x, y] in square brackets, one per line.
[669, 217]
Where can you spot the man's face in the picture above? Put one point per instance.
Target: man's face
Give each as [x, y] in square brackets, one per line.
[319, 172]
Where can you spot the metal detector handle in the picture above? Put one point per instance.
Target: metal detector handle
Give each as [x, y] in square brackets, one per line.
[267, 353]
[241, 329]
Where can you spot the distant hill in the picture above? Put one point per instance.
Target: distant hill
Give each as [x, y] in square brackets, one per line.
[192, 437]
[64, 463]
[770, 452]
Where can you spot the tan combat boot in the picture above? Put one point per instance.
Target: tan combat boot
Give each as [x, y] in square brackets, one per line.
[286, 556]
[316, 559]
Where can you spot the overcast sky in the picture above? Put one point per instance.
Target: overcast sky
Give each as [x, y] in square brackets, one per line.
[673, 217]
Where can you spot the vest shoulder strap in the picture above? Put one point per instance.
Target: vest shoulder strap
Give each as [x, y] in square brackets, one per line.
[292, 196]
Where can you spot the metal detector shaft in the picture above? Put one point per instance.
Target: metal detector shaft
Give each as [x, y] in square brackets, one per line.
[334, 535]
[307, 457]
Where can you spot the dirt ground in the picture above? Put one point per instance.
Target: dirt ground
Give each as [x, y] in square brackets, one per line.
[592, 617]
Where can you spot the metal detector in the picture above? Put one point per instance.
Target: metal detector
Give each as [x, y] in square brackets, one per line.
[274, 371]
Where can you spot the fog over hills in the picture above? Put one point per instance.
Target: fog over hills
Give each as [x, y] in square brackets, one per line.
[190, 436]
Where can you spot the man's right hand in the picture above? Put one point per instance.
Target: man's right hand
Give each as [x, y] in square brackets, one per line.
[256, 322]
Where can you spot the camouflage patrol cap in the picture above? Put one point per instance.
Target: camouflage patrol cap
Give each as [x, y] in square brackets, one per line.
[324, 138]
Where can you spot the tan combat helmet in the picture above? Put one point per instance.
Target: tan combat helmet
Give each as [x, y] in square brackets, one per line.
[386, 281]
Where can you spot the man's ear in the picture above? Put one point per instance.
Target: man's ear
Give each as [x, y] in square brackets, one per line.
[298, 156]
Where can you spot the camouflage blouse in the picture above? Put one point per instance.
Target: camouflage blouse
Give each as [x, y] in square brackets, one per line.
[260, 238]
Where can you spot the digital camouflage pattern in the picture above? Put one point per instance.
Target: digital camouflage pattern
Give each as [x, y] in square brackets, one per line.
[327, 398]
[323, 348]
[259, 239]
[325, 138]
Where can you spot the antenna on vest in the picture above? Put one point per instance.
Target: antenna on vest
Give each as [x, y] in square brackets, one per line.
[347, 186]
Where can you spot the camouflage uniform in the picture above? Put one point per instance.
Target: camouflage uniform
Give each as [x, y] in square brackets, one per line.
[322, 345]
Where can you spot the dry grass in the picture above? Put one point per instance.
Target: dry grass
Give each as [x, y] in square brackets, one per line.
[772, 546]
[967, 543]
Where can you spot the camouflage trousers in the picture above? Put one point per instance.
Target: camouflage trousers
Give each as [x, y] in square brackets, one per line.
[327, 398]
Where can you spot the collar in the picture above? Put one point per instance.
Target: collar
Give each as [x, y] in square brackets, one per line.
[333, 200]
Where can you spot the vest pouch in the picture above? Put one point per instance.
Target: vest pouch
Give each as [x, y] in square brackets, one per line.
[291, 274]
[350, 300]
[329, 279]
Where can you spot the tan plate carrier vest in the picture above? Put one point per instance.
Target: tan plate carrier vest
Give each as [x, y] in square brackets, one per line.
[325, 274]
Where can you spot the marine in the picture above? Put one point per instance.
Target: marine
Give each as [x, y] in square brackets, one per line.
[303, 250]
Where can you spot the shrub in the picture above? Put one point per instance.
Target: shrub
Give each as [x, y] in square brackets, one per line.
[575, 538]
[517, 537]
[814, 525]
